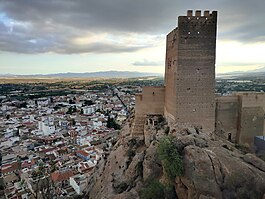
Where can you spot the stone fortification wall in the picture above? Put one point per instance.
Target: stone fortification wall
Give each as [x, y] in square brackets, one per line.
[170, 75]
[251, 125]
[252, 99]
[151, 101]
[242, 115]
[251, 116]
[227, 116]
[195, 69]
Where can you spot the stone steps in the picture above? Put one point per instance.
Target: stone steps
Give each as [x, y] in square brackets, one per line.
[138, 126]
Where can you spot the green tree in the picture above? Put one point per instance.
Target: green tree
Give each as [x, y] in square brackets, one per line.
[153, 190]
[88, 102]
[170, 158]
[111, 123]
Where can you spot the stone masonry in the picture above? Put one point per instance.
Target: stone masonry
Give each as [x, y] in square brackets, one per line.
[188, 95]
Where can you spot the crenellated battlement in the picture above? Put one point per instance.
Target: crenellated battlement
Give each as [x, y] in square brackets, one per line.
[197, 25]
[198, 13]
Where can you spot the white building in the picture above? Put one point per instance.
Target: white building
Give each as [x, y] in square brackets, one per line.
[82, 141]
[91, 109]
[46, 126]
[79, 183]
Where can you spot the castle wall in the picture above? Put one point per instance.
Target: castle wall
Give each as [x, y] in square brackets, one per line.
[252, 99]
[227, 116]
[170, 75]
[242, 115]
[151, 101]
[188, 95]
[252, 116]
[195, 70]
[251, 125]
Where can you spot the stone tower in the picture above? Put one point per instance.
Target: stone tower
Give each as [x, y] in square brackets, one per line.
[190, 71]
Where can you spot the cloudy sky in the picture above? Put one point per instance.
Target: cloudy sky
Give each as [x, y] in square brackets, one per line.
[50, 36]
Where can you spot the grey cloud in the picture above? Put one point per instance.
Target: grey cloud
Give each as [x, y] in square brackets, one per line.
[146, 63]
[54, 23]
[42, 40]
[98, 48]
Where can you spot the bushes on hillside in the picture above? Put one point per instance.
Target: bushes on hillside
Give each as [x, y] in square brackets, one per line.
[170, 158]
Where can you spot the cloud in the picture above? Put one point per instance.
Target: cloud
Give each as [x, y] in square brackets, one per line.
[147, 63]
[37, 26]
[28, 40]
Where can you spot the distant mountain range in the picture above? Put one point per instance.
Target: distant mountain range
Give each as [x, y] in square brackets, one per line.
[103, 74]
[257, 73]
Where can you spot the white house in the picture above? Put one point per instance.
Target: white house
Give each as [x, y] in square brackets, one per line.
[79, 183]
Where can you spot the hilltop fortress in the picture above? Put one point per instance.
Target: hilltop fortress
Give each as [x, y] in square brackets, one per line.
[188, 95]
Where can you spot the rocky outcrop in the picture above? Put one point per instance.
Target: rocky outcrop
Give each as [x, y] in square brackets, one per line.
[214, 168]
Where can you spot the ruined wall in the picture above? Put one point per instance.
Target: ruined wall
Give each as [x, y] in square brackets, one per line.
[227, 116]
[242, 115]
[151, 101]
[170, 75]
[251, 125]
[195, 70]
[253, 99]
[251, 116]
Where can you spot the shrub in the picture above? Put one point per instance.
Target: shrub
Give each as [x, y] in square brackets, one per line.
[153, 190]
[170, 158]
[244, 148]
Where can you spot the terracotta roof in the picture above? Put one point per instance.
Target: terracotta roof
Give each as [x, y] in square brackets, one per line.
[47, 150]
[61, 176]
[10, 167]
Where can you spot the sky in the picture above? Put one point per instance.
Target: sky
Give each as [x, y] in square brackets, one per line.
[53, 36]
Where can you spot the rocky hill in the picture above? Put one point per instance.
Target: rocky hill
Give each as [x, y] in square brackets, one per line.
[180, 162]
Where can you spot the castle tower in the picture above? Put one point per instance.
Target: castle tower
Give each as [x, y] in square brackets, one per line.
[190, 71]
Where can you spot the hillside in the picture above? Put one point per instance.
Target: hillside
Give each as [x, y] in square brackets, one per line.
[203, 166]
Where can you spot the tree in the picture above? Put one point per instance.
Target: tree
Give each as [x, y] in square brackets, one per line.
[71, 110]
[88, 102]
[154, 189]
[170, 158]
[111, 123]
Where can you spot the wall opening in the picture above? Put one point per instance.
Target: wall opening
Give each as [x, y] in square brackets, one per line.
[230, 137]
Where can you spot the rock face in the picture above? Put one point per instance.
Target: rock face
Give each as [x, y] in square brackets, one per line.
[214, 168]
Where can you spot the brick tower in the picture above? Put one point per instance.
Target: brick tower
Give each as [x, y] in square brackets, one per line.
[190, 71]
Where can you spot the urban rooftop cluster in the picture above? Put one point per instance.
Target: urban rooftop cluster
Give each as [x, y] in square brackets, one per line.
[50, 146]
